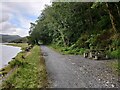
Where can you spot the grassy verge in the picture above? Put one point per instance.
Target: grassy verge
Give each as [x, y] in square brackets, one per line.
[116, 63]
[31, 71]
[115, 66]
[68, 50]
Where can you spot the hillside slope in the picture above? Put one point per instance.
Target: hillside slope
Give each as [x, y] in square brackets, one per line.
[8, 38]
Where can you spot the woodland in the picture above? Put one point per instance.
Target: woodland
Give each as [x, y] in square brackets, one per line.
[76, 27]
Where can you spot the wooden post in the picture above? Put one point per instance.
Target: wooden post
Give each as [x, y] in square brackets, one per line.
[106, 56]
[85, 55]
[90, 54]
[96, 58]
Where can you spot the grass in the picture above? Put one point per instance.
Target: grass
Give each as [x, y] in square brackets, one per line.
[31, 71]
[67, 50]
[57, 48]
[115, 66]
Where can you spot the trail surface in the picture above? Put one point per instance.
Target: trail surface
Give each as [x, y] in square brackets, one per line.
[75, 71]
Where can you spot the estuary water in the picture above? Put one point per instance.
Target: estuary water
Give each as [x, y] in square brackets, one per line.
[7, 53]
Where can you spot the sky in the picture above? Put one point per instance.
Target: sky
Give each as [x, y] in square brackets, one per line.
[16, 15]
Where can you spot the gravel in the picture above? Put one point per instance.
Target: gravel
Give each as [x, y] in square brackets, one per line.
[75, 71]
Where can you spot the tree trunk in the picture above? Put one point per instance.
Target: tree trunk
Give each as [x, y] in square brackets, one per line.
[91, 21]
[118, 9]
[111, 17]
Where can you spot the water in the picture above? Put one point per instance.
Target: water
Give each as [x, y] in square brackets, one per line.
[7, 53]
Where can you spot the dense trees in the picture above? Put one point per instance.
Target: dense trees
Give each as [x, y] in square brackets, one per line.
[78, 25]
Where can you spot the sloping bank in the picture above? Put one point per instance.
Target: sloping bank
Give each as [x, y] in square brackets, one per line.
[30, 72]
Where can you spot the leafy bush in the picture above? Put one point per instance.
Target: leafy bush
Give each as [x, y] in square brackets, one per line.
[70, 52]
[75, 51]
[82, 50]
[65, 49]
[73, 46]
[81, 42]
[114, 54]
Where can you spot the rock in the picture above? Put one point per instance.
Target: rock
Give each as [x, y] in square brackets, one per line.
[13, 58]
[107, 82]
[73, 63]
[75, 71]
[113, 85]
[106, 85]
[69, 59]
[99, 79]
[81, 68]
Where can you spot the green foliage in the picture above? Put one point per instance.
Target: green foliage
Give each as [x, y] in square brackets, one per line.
[17, 63]
[116, 54]
[69, 50]
[82, 50]
[81, 43]
[72, 26]
[103, 23]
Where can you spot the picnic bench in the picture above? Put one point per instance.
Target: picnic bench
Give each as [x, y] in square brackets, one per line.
[95, 54]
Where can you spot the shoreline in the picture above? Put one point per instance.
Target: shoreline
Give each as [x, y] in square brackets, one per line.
[7, 68]
[17, 52]
[31, 61]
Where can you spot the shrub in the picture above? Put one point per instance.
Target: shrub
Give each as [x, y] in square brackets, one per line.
[114, 54]
[73, 46]
[65, 49]
[17, 63]
[82, 50]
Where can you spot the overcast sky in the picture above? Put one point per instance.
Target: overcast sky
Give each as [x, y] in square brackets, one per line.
[17, 15]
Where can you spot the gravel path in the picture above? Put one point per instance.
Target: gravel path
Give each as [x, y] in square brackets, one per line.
[75, 71]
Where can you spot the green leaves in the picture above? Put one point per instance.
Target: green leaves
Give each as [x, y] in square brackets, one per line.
[72, 24]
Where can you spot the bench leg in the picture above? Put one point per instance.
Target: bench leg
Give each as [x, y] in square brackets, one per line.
[96, 58]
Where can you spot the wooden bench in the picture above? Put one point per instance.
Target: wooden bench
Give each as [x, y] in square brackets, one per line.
[96, 54]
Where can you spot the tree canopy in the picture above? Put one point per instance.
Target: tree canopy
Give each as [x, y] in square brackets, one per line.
[82, 25]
